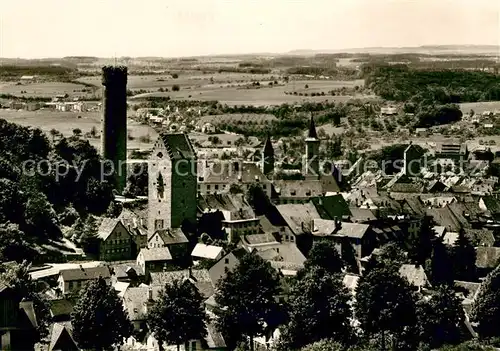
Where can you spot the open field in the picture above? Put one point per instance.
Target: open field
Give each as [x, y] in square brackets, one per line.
[480, 107]
[65, 122]
[236, 117]
[46, 89]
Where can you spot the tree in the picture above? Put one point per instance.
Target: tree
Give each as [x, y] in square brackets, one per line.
[98, 318]
[323, 345]
[178, 315]
[114, 210]
[324, 254]
[420, 246]
[318, 298]
[385, 305]
[175, 87]
[440, 318]
[440, 264]
[246, 300]
[89, 239]
[258, 199]
[77, 132]
[175, 75]
[464, 258]
[14, 244]
[53, 133]
[93, 132]
[486, 307]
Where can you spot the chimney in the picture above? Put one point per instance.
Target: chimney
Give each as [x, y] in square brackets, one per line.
[190, 270]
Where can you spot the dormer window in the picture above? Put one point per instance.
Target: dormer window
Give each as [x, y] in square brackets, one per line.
[159, 155]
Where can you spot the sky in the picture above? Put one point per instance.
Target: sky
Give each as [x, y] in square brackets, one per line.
[172, 28]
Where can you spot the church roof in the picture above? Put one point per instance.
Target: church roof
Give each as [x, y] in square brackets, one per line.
[268, 147]
[178, 146]
[312, 129]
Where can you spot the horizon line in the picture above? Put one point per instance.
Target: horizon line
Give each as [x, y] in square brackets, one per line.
[289, 52]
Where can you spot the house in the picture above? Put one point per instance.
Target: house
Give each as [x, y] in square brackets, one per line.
[60, 310]
[359, 236]
[72, 280]
[138, 302]
[174, 239]
[415, 275]
[487, 259]
[116, 242]
[296, 191]
[453, 151]
[225, 264]
[255, 241]
[200, 278]
[331, 207]
[154, 259]
[206, 252]
[286, 258]
[127, 272]
[238, 217]
[18, 322]
[220, 177]
[134, 220]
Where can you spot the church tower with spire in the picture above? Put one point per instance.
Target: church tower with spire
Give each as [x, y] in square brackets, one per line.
[267, 157]
[311, 164]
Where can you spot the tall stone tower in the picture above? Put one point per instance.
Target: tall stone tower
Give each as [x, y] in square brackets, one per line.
[114, 121]
[311, 164]
[267, 157]
[172, 184]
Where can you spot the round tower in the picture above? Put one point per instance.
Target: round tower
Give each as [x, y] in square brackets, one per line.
[114, 122]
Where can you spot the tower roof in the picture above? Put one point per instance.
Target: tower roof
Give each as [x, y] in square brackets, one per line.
[178, 146]
[312, 129]
[268, 146]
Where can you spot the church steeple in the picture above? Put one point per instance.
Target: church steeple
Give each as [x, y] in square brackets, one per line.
[311, 164]
[267, 156]
[312, 129]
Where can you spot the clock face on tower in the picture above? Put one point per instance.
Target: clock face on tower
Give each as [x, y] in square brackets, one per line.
[160, 186]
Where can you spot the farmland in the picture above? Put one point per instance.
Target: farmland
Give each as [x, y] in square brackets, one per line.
[480, 107]
[65, 122]
[46, 89]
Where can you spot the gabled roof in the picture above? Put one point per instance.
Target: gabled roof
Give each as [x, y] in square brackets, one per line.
[259, 239]
[136, 299]
[206, 251]
[480, 237]
[171, 236]
[156, 254]
[331, 207]
[231, 172]
[284, 253]
[235, 204]
[487, 257]
[444, 217]
[298, 188]
[60, 333]
[298, 217]
[200, 278]
[62, 307]
[325, 227]
[414, 274]
[85, 273]
[361, 215]
[106, 227]
[178, 146]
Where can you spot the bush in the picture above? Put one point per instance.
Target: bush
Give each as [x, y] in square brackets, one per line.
[175, 87]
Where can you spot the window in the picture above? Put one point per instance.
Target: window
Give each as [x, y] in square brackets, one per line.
[208, 186]
[193, 345]
[226, 261]
[216, 186]
[226, 269]
[158, 224]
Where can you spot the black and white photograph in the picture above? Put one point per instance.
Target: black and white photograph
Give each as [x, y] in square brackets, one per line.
[249, 175]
